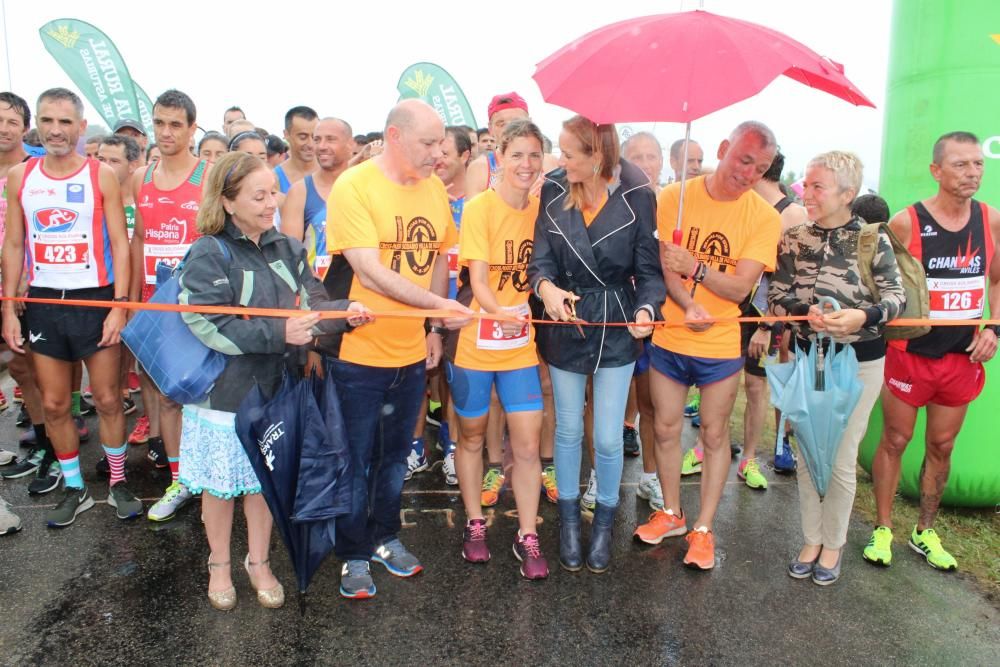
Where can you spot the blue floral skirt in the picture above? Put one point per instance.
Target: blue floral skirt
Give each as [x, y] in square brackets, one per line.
[212, 458]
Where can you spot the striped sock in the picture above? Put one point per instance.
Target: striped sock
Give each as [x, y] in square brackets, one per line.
[75, 404]
[70, 464]
[116, 462]
[175, 467]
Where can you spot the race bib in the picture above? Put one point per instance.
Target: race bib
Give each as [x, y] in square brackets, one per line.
[453, 262]
[956, 298]
[154, 255]
[65, 256]
[489, 335]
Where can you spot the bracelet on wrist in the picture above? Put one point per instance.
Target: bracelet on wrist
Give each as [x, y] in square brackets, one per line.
[995, 328]
[699, 272]
[440, 331]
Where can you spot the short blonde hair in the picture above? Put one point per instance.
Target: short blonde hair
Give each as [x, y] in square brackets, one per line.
[846, 168]
[224, 180]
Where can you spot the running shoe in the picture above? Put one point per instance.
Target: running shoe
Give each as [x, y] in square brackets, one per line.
[692, 408]
[433, 413]
[529, 552]
[650, 491]
[23, 418]
[47, 478]
[157, 454]
[74, 502]
[784, 461]
[588, 501]
[696, 421]
[124, 501]
[416, 461]
[927, 543]
[10, 523]
[395, 557]
[134, 386]
[356, 580]
[87, 408]
[18, 395]
[630, 441]
[140, 434]
[448, 467]
[128, 405]
[879, 549]
[492, 484]
[87, 393]
[749, 472]
[102, 466]
[3, 401]
[661, 525]
[6, 458]
[701, 549]
[549, 483]
[691, 463]
[474, 547]
[81, 429]
[24, 465]
[166, 508]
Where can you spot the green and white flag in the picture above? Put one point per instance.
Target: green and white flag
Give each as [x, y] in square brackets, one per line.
[94, 64]
[145, 109]
[432, 84]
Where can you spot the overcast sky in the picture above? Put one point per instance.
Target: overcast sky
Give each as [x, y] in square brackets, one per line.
[345, 58]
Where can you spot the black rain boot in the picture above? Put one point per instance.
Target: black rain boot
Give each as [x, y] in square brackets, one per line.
[570, 548]
[599, 555]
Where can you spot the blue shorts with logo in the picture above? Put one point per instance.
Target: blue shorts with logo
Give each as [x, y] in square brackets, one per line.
[692, 371]
[519, 390]
[642, 363]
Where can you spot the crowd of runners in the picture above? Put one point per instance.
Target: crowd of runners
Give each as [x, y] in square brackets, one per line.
[479, 222]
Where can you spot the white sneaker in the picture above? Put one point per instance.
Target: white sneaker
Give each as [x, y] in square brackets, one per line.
[415, 462]
[588, 501]
[450, 475]
[176, 497]
[10, 523]
[6, 458]
[650, 490]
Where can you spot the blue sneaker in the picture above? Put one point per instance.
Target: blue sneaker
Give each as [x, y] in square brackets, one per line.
[696, 421]
[443, 438]
[397, 559]
[691, 409]
[416, 460]
[356, 580]
[784, 460]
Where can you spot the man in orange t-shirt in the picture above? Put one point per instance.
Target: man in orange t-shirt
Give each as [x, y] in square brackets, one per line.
[389, 228]
[730, 235]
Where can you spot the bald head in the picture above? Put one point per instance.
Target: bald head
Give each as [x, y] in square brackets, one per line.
[334, 143]
[413, 136]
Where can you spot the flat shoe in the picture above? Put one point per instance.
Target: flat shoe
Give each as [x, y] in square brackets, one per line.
[222, 600]
[799, 569]
[824, 576]
[272, 598]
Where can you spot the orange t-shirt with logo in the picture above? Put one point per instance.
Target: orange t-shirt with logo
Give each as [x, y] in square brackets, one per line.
[718, 233]
[410, 225]
[495, 233]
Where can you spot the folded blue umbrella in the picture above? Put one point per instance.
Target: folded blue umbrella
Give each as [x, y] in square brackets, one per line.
[816, 393]
[296, 442]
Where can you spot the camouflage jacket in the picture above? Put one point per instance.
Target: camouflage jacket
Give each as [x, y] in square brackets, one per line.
[814, 262]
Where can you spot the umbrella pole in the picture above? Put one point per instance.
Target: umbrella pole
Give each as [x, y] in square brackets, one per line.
[678, 234]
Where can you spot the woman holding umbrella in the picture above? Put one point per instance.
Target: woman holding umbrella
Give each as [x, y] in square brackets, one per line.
[820, 259]
[593, 236]
[241, 260]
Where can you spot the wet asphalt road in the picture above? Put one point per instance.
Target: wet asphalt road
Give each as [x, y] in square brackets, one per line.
[106, 592]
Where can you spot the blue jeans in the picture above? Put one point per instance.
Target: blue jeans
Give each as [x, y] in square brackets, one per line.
[380, 407]
[610, 395]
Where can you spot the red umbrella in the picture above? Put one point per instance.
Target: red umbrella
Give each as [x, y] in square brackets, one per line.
[680, 67]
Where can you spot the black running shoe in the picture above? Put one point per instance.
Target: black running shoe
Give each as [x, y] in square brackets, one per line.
[157, 454]
[87, 408]
[23, 418]
[630, 439]
[47, 478]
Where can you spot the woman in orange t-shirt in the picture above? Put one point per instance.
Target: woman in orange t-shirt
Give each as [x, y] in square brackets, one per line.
[495, 247]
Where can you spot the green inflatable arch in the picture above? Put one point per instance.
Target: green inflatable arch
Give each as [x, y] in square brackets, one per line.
[944, 75]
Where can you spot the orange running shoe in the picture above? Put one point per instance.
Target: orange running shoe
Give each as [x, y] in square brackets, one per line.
[492, 484]
[140, 434]
[661, 524]
[701, 549]
[18, 397]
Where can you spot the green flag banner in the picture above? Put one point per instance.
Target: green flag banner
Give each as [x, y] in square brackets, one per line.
[145, 109]
[430, 83]
[94, 64]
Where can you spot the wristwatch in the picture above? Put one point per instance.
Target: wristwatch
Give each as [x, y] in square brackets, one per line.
[764, 326]
[995, 328]
[441, 331]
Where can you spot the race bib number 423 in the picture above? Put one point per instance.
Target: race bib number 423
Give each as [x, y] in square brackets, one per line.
[62, 255]
[956, 298]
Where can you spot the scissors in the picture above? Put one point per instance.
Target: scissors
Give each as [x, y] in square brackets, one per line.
[571, 305]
